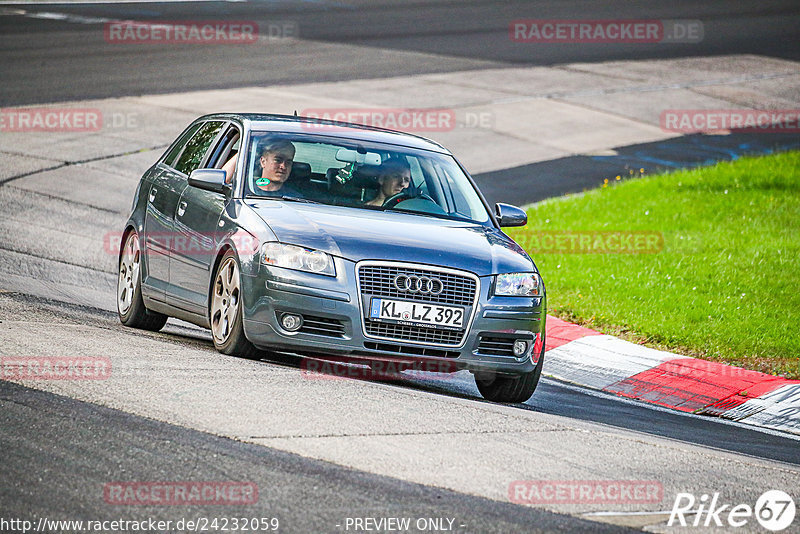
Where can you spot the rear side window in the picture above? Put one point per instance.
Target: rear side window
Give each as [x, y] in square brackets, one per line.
[198, 145]
[176, 150]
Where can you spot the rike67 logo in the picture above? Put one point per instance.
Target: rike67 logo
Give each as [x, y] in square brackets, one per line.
[774, 510]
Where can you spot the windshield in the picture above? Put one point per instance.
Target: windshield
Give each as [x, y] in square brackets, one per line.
[359, 175]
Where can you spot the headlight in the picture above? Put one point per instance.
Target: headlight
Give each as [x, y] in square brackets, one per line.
[518, 285]
[299, 258]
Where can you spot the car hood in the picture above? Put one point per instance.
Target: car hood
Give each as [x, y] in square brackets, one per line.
[357, 234]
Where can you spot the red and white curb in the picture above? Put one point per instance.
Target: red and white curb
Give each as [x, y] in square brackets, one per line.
[583, 356]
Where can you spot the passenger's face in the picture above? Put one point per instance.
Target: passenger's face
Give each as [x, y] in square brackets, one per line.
[277, 165]
[394, 182]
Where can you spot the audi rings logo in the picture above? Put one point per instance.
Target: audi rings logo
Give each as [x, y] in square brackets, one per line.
[418, 284]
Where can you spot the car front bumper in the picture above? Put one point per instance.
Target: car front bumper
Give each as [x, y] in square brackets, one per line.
[333, 323]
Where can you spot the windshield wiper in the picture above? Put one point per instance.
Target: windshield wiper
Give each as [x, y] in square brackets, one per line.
[283, 197]
[444, 216]
[298, 199]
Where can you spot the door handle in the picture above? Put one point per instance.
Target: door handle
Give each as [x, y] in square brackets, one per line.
[181, 209]
[153, 192]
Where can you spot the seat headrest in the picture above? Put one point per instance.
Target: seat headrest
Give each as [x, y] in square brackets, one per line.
[300, 170]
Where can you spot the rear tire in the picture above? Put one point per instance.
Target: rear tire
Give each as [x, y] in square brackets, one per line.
[226, 310]
[510, 389]
[130, 306]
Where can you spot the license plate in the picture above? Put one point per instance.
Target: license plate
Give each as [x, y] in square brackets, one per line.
[416, 313]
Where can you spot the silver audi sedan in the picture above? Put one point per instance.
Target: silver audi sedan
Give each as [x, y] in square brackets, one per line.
[333, 240]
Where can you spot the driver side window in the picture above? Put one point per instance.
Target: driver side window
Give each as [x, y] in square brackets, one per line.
[226, 153]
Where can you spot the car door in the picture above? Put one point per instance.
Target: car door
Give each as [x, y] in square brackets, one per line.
[163, 191]
[197, 233]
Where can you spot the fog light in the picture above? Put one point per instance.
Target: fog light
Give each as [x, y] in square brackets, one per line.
[291, 322]
[520, 346]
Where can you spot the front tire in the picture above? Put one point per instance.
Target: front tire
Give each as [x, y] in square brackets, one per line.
[226, 310]
[130, 306]
[510, 389]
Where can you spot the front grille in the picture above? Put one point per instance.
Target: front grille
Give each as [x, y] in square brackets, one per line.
[322, 326]
[377, 280]
[457, 290]
[414, 333]
[415, 351]
[496, 346]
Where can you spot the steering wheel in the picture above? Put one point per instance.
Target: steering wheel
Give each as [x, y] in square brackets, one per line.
[394, 200]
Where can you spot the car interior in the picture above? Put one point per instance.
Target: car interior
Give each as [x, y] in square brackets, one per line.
[352, 180]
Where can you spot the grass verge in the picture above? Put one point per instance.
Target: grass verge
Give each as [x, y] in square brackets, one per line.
[705, 262]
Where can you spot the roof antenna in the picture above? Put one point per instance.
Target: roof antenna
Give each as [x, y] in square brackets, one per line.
[295, 113]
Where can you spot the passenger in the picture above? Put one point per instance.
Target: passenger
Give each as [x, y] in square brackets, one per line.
[394, 176]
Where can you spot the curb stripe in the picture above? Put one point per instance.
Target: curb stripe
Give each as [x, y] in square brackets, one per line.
[725, 406]
[588, 358]
[779, 409]
[600, 361]
[690, 385]
[561, 332]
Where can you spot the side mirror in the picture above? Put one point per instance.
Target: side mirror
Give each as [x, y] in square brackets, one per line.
[209, 179]
[508, 215]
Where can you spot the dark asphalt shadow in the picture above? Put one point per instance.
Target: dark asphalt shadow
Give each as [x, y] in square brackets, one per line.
[574, 174]
[45, 475]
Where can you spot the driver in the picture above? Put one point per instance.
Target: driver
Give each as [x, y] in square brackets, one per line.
[394, 176]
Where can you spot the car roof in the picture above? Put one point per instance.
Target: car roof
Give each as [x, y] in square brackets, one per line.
[342, 130]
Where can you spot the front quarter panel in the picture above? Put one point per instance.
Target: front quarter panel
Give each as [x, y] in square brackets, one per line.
[244, 231]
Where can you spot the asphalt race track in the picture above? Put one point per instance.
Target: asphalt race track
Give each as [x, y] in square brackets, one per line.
[40, 55]
[306, 496]
[320, 450]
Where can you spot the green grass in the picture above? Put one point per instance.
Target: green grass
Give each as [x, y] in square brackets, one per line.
[725, 286]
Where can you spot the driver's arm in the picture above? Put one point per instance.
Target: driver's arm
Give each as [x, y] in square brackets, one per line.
[229, 167]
